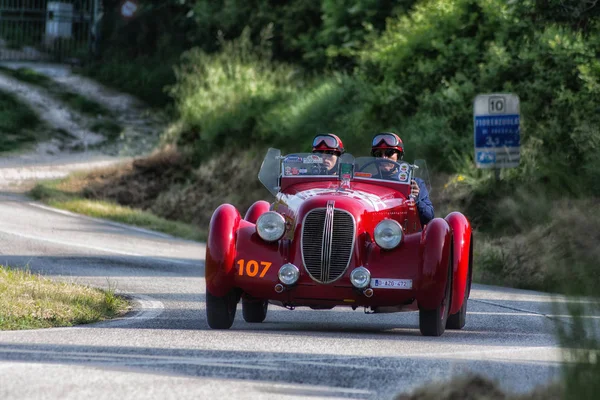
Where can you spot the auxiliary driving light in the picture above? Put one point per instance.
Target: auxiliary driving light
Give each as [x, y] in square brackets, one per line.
[289, 274]
[360, 277]
[388, 234]
[270, 226]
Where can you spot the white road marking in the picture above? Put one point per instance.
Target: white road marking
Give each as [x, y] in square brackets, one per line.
[531, 314]
[554, 352]
[148, 309]
[97, 248]
[99, 220]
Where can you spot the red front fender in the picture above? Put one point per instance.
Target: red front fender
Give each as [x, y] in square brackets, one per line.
[436, 241]
[461, 232]
[256, 210]
[220, 250]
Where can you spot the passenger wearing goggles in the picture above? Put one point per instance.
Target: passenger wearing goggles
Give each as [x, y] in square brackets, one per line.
[330, 147]
[389, 145]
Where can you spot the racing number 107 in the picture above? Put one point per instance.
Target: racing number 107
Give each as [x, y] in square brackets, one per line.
[251, 268]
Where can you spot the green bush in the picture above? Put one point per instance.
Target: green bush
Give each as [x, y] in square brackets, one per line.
[145, 77]
[430, 64]
[239, 96]
[137, 54]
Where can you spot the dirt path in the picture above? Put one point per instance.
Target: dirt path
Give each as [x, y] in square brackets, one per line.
[82, 149]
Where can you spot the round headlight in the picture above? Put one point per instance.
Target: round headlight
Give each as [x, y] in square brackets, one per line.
[270, 226]
[289, 274]
[388, 234]
[360, 277]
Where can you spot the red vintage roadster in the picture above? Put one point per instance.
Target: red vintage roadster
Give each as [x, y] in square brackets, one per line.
[350, 238]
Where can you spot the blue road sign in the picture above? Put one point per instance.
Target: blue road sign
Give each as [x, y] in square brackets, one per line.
[497, 134]
[497, 131]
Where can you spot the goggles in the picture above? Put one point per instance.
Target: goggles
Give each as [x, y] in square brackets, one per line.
[390, 140]
[388, 153]
[327, 152]
[329, 141]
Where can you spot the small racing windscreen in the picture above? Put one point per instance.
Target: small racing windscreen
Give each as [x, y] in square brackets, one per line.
[421, 172]
[382, 169]
[269, 171]
[309, 164]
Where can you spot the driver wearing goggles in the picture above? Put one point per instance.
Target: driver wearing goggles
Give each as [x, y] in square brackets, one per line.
[330, 147]
[389, 145]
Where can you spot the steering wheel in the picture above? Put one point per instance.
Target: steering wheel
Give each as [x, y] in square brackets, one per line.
[318, 169]
[378, 162]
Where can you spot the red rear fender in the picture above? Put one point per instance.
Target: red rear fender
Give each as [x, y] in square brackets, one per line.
[461, 232]
[434, 272]
[220, 249]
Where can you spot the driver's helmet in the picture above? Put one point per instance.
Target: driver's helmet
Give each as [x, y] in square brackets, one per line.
[387, 143]
[328, 142]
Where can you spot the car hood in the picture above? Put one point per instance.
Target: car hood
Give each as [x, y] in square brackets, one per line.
[370, 197]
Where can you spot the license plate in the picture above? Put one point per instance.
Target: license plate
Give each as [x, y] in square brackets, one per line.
[383, 283]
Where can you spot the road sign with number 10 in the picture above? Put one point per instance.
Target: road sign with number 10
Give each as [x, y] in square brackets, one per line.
[497, 130]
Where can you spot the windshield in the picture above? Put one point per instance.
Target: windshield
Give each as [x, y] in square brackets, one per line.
[382, 169]
[301, 165]
[308, 164]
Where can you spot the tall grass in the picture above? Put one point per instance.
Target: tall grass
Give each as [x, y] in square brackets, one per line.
[240, 96]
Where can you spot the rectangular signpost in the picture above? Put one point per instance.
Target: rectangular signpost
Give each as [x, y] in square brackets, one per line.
[497, 131]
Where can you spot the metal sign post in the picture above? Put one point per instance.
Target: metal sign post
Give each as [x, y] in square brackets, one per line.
[497, 131]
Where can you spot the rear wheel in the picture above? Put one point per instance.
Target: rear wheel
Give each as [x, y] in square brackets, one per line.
[433, 322]
[254, 311]
[220, 311]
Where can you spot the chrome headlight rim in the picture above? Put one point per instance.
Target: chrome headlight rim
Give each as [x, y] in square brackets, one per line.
[396, 229]
[288, 267]
[353, 279]
[270, 217]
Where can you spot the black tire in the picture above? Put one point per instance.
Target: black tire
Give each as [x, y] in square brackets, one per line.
[458, 320]
[254, 311]
[433, 322]
[220, 311]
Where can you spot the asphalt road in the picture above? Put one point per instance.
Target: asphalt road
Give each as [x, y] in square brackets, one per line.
[165, 349]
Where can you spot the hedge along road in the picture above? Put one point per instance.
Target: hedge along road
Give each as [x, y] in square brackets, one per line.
[166, 350]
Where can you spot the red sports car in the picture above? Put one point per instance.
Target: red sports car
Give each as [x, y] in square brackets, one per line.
[348, 238]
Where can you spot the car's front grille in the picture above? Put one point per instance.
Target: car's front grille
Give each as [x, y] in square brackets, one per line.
[327, 242]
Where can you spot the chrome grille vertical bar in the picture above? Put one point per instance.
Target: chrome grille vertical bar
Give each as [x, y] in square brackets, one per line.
[327, 238]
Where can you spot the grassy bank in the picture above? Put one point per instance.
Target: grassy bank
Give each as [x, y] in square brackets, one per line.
[104, 120]
[19, 125]
[29, 301]
[71, 194]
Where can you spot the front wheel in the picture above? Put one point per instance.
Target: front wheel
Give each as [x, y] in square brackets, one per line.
[254, 311]
[458, 320]
[220, 311]
[433, 322]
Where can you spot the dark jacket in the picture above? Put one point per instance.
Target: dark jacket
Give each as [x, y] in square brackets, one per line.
[423, 202]
[424, 206]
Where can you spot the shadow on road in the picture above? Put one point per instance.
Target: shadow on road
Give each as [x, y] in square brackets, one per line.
[105, 265]
[370, 377]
